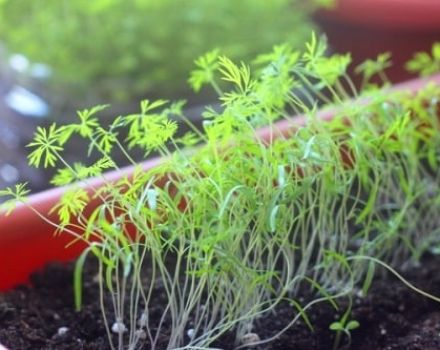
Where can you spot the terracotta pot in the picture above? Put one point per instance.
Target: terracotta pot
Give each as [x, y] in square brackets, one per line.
[27, 242]
[368, 27]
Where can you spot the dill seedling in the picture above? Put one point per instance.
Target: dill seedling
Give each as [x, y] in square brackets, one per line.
[232, 230]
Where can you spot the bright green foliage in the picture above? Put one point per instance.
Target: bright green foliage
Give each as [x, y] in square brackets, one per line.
[240, 76]
[206, 67]
[237, 226]
[373, 67]
[79, 172]
[124, 49]
[71, 204]
[425, 64]
[150, 130]
[87, 123]
[276, 83]
[47, 144]
[14, 196]
[331, 69]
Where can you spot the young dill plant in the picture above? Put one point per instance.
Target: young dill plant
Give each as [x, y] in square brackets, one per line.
[220, 235]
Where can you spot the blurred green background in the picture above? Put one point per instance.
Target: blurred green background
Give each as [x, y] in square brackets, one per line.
[122, 50]
[58, 56]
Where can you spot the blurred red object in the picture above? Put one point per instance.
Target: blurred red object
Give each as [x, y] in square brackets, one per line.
[369, 27]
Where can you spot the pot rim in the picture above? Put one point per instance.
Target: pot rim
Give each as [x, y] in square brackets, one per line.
[27, 242]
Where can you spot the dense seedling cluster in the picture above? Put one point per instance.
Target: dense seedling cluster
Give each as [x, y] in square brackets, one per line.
[232, 229]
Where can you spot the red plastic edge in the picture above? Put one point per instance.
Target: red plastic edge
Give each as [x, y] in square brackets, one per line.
[27, 243]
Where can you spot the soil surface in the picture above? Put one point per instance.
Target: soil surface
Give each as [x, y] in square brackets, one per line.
[391, 317]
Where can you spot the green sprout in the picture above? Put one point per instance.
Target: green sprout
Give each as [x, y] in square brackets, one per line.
[425, 64]
[344, 326]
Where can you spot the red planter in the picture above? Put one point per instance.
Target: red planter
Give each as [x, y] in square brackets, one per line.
[27, 242]
[368, 27]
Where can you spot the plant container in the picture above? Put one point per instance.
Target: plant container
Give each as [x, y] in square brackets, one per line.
[367, 28]
[27, 243]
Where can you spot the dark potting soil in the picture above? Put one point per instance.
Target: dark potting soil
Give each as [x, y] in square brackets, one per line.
[391, 317]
